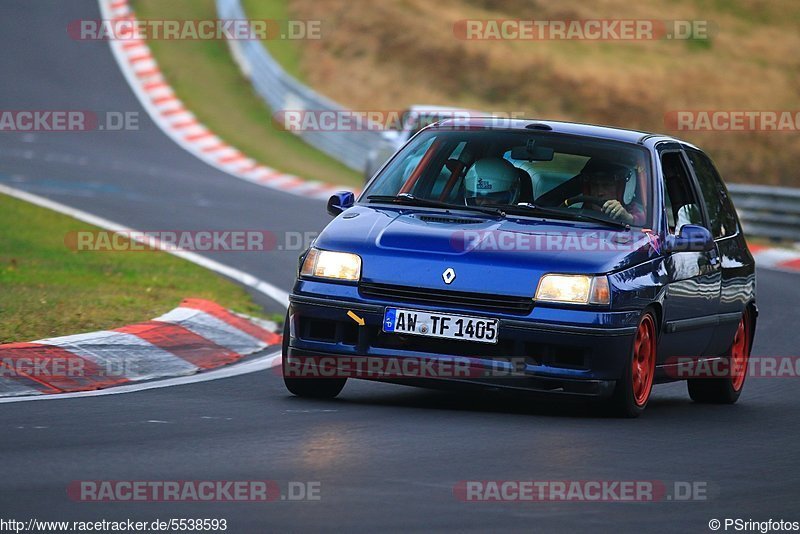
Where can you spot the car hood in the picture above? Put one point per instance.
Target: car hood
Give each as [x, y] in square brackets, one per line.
[414, 246]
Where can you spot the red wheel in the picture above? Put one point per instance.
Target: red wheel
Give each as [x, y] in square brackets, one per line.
[726, 390]
[633, 389]
[740, 354]
[644, 360]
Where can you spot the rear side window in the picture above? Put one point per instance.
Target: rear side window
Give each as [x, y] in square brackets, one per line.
[715, 195]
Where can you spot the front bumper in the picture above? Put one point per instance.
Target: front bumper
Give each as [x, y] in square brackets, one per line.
[583, 357]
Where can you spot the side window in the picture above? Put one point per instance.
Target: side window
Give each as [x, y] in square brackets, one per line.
[680, 199]
[715, 195]
[400, 170]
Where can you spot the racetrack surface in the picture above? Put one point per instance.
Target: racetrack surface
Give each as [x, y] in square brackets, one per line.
[385, 455]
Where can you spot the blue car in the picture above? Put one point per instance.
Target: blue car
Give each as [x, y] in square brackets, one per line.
[558, 258]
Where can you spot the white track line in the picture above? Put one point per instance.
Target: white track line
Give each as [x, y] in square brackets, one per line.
[252, 366]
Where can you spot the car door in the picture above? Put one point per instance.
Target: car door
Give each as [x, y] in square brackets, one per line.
[693, 276]
[724, 226]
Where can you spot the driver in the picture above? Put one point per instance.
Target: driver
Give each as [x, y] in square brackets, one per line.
[491, 181]
[607, 181]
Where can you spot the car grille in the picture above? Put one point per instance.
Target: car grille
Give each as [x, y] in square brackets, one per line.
[478, 301]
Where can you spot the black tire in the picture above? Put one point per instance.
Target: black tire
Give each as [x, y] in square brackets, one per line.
[726, 390]
[629, 398]
[313, 388]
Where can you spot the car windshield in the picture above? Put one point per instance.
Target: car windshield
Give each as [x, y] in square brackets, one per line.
[543, 173]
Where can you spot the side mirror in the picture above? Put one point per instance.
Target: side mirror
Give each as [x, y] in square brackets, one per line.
[340, 201]
[691, 238]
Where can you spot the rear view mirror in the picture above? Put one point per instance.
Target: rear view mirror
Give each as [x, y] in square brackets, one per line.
[534, 153]
[340, 201]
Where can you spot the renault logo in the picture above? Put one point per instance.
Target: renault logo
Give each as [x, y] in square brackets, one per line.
[449, 275]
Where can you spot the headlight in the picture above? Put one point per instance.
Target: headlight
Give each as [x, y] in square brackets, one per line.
[327, 264]
[574, 289]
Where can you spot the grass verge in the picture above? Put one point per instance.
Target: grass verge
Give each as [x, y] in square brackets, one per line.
[47, 289]
[207, 80]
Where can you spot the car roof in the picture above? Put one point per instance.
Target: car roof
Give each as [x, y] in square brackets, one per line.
[571, 128]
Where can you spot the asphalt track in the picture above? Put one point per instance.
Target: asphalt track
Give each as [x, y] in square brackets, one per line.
[386, 456]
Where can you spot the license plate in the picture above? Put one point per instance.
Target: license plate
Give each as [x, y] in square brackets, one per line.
[420, 323]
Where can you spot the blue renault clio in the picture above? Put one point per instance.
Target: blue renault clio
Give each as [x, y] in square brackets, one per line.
[566, 259]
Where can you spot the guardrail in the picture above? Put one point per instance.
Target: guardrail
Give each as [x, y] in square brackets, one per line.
[282, 92]
[771, 212]
[765, 211]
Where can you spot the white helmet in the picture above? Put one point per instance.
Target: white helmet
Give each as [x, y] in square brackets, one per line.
[491, 180]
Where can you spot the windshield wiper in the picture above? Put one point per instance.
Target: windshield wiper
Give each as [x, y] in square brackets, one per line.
[564, 214]
[408, 198]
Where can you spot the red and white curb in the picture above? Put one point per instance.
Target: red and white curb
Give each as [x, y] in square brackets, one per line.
[159, 100]
[198, 335]
[778, 259]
